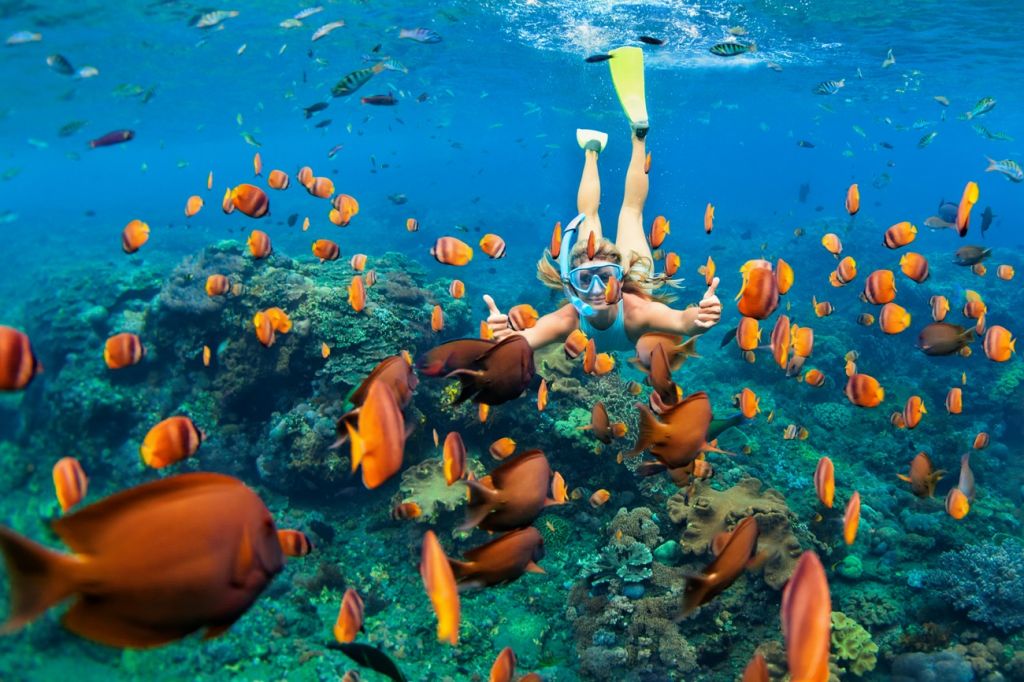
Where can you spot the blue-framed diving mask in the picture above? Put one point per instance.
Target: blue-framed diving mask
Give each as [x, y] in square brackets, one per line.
[584, 278]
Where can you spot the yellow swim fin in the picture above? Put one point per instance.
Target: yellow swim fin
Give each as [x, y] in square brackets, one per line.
[627, 67]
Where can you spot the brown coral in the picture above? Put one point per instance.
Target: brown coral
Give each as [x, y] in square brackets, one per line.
[637, 524]
[705, 512]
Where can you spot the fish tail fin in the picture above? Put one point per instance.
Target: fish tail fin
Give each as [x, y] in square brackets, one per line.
[708, 447]
[729, 336]
[648, 430]
[697, 587]
[481, 501]
[358, 446]
[903, 477]
[992, 163]
[752, 47]
[40, 578]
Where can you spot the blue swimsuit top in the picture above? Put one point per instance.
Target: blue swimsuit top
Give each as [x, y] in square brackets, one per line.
[612, 338]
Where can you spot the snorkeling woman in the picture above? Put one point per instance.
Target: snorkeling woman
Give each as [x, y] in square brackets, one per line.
[620, 324]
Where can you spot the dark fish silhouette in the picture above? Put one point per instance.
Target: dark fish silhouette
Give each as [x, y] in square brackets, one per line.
[648, 40]
[597, 58]
[491, 373]
[514, 497]
[370, 657]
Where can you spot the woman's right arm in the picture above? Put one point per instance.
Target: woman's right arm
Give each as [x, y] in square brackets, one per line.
[551, 328]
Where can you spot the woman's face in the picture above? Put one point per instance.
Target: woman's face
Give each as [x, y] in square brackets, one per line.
[590, 278]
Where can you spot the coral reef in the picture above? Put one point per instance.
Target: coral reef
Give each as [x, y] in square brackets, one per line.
[638, 524]
[852, 648]
[706, 512]
[623, 560]
[425, 485]
[985, 580]
[944, 666]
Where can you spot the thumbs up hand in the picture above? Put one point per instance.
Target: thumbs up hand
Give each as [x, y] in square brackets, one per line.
[709, 310]
[496, 320]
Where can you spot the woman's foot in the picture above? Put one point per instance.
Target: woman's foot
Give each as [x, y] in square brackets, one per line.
[592, 140]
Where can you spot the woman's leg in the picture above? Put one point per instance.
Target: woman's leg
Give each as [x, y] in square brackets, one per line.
[630, 236]
[588, 198]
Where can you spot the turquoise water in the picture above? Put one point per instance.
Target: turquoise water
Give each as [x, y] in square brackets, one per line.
[482, 139]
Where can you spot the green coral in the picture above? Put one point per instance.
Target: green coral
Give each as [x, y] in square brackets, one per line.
[624, 559]
[852, 647]
[570, 428]
[1008, 382]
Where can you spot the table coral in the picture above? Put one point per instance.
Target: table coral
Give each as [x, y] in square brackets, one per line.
[706, 512]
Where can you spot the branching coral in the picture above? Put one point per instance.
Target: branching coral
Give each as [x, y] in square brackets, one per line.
[624, 560]
[986, 581]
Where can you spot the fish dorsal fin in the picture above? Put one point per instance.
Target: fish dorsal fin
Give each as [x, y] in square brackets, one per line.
[532, 567]
[720, 541]
[243, 560]
[85, 530]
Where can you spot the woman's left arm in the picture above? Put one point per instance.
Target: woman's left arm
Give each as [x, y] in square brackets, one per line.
[658, 317]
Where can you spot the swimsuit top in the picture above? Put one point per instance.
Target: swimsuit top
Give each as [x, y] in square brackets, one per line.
[612, 338]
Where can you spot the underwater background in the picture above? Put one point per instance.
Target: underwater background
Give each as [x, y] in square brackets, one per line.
[482, 139]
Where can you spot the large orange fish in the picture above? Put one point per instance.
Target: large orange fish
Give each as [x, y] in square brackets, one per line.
[914, 266]
[326, 250]
[396, 372]
[439, 582]
[134, 235]
[193, 205]
[863, 390]
[912, 411]
[200, 548]
[512, 496]
[504, 666]
[999, 344]
[123, 350]
[259, 244]
[454, 458]
[851, 518]
[899, 235]
[680, 435]
[825, 482]
[748, 334]
[676, 350]
[963, 211]
[660, 229]
[853, 199]
[357, 294]
[923, 477]
[880, 287]
[451, 251]
[807, 620]
[734, 552]
[278, 180]
[492, 245]
[491, 373]
[759, 294]
[18, 363]
[893, 318]
[378, 439]
[350, 617]
[69, 482]
[500, 561]
[170, 441]
[250, 200]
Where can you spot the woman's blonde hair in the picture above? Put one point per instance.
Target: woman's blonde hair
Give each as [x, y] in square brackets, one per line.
[636, 279]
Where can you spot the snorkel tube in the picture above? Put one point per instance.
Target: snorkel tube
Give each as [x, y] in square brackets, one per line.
[569, 236]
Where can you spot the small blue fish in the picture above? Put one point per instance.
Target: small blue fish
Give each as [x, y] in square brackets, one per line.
[984, 105]
[829, 87]
[1008, 167]
[927, 139]
[420, 35]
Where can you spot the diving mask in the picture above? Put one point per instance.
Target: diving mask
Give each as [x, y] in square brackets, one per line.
[587, 279]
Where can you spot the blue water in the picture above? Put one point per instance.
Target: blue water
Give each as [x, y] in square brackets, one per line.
[491, 148]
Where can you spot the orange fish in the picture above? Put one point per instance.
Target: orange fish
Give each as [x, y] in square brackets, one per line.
[709, 218]
[209, 181]
[807, 620]
[1005, 272]
[485, 331]
[955, 401]
[170, 441]
[321, 188]
[512, 496]
[556, 241]
[734, 552]
[69, 482]
[542, 395]
[832, 244]
[748, 334]
[504, 666]
[412, 225]
[257, 164]
[305, 224]
[575, 344]
[979, 269]
[358, 262]
[207, 355]
[483, 411]
[853, 199]
[294, 543]
[999, 344]
[825, 482]
[612, 290]
[326, 250]
[672, 263]
[963, 211]
[457, 289]
[980, 441]
[900, 235]
[866, 319]
[846, 271]
[436, 319]
[278, 180]
[708, 270]
[259, 244]
[227, 204]
[250, 200]
[325, 351]
[599, 497]
[264, 329]
[454, 458]
[193, 205]
[160, 529]
[912, 411]
[337, 218]
[659, 230]
[748, 401]
[783, 276]
[305, 176]
[279, 319]
[864, 390]
[757, 669]
[559, 491]
[378, 441]
[914, 266]
[814, 377]
[123, 350]
[939, 306]
[439, 582]
[922, 478]
[134, 235]
[647, 163]
[502, 448]
[370, 278]
[406, 511]
[346, 204]
[492, 245]
[217, 285]
[501, 561]
[603, 364]
[821, 308]
[803, 340]
[522, 316]
[451, 251]
[975, 309]
[759, 293]
[591, 244]
[851, 518]
[357, 294]
[957, 504]
[880, 287]
[893, 318]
